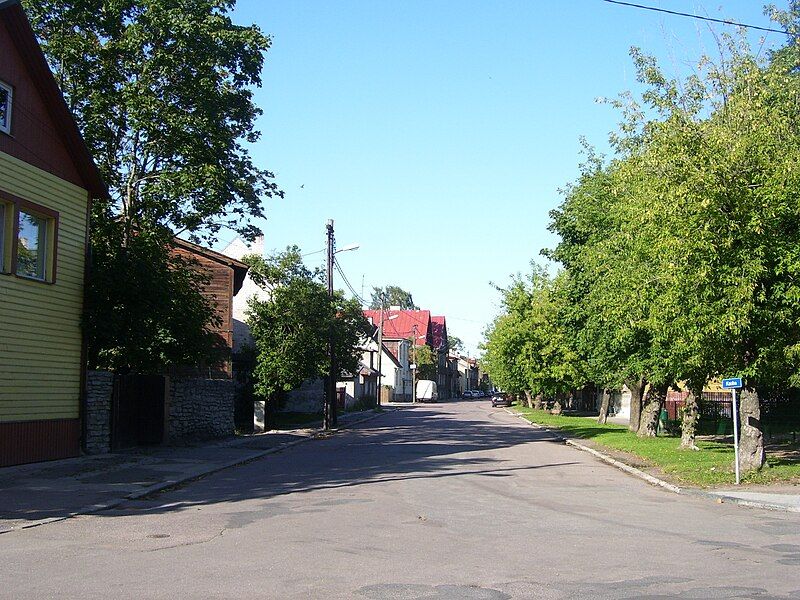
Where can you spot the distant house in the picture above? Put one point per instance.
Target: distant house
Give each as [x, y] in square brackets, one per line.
[47, 182]
[396, 371]
[439, 335]
[468, 373]
[227, 276]
[363, 384]
[400, 329]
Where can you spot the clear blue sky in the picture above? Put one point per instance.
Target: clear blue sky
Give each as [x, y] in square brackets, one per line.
[437, 133]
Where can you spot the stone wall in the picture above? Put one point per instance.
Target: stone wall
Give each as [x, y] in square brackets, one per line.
[200, 409]
[99, 387]
[308, 398]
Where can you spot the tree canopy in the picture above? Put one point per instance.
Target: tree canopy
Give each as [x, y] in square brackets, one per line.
[679, 254]
[391, 295]
[162, 93]
[291, 330]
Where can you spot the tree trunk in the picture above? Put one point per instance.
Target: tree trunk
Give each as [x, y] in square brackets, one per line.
[689, 422]
[656, 396]
[605, 402]
[751, 438]
[537, 402]
[528, 400]
[636, 388]
[556, 410]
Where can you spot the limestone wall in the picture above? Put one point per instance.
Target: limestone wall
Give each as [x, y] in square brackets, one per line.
[200, 408]
[99, 387]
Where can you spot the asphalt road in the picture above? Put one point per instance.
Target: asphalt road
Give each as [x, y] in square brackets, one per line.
[447, 501]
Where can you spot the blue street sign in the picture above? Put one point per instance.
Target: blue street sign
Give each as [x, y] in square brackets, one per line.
[733, 383]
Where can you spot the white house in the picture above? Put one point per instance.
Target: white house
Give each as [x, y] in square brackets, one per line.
[241, 332]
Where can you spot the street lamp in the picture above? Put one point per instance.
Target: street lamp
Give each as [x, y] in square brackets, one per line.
[348, 248]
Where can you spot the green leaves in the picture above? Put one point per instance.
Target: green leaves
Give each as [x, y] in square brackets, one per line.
[680, 254]
[162, 93]
[292, 329]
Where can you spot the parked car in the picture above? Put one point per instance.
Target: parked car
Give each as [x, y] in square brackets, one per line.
[470, 394]
[501, 399]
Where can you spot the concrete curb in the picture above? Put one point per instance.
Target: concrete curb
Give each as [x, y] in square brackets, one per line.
[717, 497]
[171, 483]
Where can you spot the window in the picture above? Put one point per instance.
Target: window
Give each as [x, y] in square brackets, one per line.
[31, 245]
[28, 240]
[6, 97]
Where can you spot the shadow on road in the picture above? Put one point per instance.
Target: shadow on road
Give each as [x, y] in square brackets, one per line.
[413, 444]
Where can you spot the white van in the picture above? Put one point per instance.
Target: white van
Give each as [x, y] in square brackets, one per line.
[426, 391]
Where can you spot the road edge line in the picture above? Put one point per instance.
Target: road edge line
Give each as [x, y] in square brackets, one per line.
[698, 493]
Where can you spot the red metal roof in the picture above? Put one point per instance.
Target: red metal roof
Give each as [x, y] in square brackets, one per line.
[439, 330]
[406, 324]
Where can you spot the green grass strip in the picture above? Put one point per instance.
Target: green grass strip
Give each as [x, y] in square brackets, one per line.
[711, 466]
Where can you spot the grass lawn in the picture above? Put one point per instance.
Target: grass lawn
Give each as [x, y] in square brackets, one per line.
[712, 466]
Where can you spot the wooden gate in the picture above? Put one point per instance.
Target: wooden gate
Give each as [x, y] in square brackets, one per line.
[138, 411]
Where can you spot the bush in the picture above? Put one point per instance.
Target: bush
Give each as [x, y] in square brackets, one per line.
[365, 403]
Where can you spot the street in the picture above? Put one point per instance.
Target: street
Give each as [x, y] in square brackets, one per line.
[444, 501]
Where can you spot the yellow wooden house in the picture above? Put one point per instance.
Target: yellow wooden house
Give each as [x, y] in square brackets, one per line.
[47, 181]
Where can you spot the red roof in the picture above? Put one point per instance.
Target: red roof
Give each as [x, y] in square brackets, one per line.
[405, 324]
[439, 330]
[16, 25]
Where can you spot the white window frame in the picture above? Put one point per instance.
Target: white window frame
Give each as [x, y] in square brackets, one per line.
[10, 103]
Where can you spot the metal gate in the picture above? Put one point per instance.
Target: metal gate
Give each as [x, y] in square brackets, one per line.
[138, 411]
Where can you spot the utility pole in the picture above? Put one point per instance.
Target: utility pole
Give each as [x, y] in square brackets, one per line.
[330, 380]
[380, 351]
[414, 370]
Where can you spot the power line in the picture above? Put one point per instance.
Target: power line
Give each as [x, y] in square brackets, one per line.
[699, 17]
[347, 282]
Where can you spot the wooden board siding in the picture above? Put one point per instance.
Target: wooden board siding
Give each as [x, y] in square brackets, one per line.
[35, 138]
[34, 441]
[219, 290]
[40, 333]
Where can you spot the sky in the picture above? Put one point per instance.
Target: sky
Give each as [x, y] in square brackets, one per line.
[437, 134]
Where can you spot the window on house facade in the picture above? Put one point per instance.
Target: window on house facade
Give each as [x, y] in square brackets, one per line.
[33, 253]
[31, 245]
[6, 97]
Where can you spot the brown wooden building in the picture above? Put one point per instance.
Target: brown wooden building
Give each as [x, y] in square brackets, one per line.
[226, 279]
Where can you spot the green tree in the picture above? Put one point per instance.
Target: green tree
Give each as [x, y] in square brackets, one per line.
[427, 363]
[529, 348]
[291, 330]
[153, 316]
[162, 92]
[455, 344]
[391, 295]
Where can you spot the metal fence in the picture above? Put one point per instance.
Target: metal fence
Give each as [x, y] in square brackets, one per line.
[780, 408]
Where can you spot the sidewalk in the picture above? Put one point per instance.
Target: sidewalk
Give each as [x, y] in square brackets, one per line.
[40, 493]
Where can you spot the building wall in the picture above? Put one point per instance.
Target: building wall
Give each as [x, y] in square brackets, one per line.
[40, 333]
[35, 139]
[200, 409]
[242, 338]
[219, 290]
